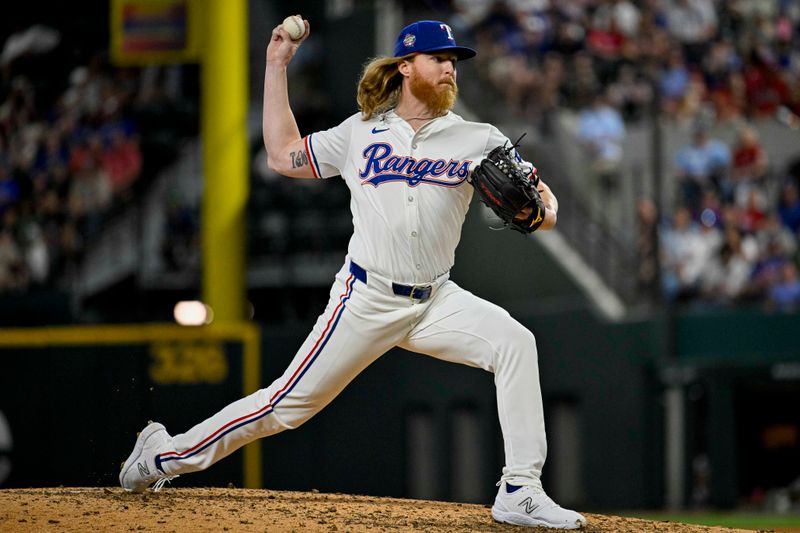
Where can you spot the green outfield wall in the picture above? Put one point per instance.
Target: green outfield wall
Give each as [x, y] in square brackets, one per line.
[73, 398]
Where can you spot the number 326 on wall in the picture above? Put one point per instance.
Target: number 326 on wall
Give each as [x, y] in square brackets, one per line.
[188, 363]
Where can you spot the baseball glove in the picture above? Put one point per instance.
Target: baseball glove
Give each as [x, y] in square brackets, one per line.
[507, 186]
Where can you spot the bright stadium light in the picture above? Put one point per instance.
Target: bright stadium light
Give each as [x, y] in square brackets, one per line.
[192, 313]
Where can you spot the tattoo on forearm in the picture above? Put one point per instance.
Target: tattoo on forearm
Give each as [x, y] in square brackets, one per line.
[299, 159]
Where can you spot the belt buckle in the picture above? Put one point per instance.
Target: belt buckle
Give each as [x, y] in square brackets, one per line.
[425, 290]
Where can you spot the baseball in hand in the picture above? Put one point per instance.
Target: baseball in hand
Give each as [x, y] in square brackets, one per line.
[294, 26]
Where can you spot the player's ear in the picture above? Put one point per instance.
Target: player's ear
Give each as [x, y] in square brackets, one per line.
[404, 65]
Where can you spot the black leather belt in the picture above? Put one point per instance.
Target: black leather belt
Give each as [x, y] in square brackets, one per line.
[415, 292]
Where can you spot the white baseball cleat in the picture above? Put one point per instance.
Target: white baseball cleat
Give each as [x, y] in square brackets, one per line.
[140, 470]
[530, 506]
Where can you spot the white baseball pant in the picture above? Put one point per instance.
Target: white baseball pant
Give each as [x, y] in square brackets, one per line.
[360, 323]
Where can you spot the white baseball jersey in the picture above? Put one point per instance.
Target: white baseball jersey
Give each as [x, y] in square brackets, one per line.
[409, 191]
[409, 198]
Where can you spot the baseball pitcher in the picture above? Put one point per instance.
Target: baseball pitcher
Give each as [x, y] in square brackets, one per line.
[411, 166]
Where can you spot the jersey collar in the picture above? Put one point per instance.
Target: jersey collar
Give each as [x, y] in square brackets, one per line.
[392, 116]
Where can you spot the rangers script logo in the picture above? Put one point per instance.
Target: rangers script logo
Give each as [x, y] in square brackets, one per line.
[382, 166]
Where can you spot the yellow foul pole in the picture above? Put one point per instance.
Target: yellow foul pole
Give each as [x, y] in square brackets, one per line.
[225, 165]
[224, 132]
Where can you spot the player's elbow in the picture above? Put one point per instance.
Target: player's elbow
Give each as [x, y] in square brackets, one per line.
[272, 163]
[277, 164]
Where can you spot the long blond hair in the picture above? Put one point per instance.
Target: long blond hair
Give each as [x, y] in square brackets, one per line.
[379, 86]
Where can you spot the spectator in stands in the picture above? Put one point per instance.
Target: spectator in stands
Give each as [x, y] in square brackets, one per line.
[19, 107]
[601, 131]
[631, 94]
[771, 229]
[9, 191]
[702, 164]
[516, 79]
[750, 164]
[36, 253]
[729, 99]
[53, 153]
[674, 83]
[583, 85]
[122, 161]
[87, 151]
[694, 103]
[766, 86]
[627, 18]
[89, 195]
[604, 40]
[693, 23]
[710, 212]
[568, 33]
[550, 96]
[653, 43]
[784, 293]
[767, 270]
[731, 222]
[727, 272]
[180, 247]
[687, 248]
[789, 207]
[754, 213]
[12, 269]
[647, 246]
[722, 71]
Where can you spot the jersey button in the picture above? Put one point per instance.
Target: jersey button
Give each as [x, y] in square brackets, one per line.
[410, 198]
[413, 233]
[419, 266]
[414, 146]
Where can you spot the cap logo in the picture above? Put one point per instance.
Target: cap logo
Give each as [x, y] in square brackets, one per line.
[409, 40]
[446, 28]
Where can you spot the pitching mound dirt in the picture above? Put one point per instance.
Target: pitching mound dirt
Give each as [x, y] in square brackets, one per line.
[103, 509]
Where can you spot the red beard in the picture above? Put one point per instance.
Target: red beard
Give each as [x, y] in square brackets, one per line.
[438, 97]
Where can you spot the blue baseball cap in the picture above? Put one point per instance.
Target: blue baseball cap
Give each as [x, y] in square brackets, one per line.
[429, 36]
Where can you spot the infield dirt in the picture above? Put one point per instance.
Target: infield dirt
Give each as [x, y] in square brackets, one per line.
[183, 509]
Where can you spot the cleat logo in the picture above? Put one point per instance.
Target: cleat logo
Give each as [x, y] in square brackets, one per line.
[144, 471]
[528, 504]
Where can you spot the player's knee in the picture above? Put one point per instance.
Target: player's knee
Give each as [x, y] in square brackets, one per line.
[523, 338]
[296, 409]
[518, 343]
[291, 418]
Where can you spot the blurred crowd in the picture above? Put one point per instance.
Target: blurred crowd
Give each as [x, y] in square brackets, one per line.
[738, 57]
[63, 165]
[71, 152]
[733, 235]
